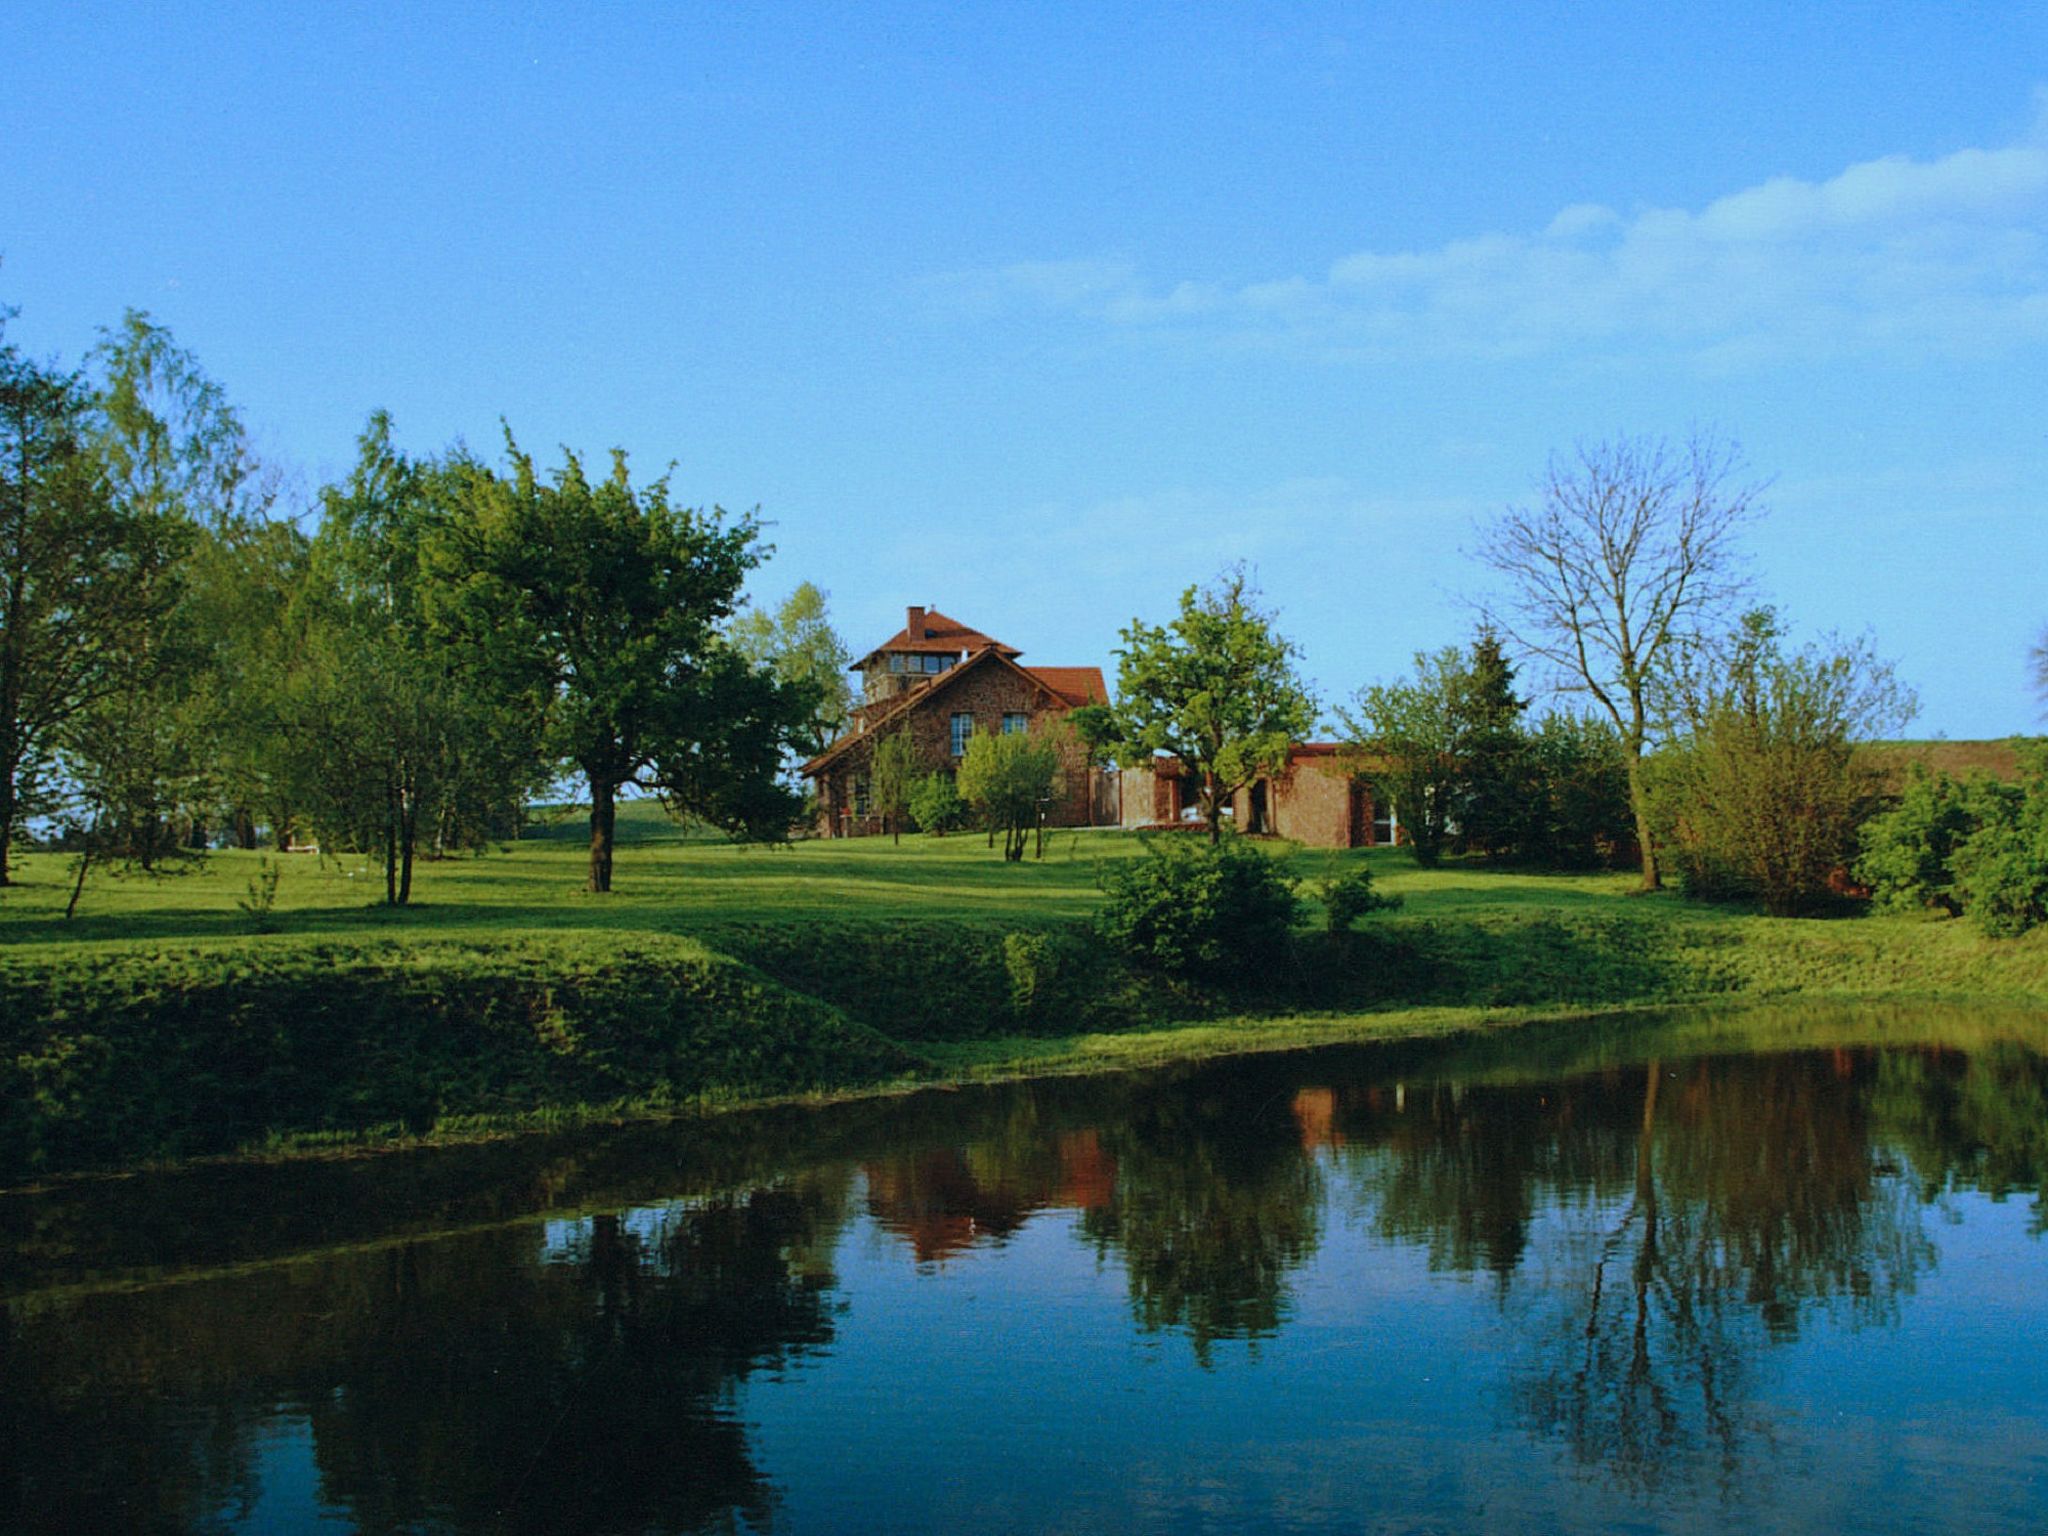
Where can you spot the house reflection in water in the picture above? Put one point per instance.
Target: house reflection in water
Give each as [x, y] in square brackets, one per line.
[944, 1200]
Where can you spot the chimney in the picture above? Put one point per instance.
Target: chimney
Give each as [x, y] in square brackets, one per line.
[914, 625]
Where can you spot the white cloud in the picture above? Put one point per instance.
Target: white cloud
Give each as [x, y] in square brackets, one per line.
[1947, 256]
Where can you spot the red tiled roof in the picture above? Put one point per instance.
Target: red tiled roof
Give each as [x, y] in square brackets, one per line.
[938, 635]
[1075, 685]
[903, 703]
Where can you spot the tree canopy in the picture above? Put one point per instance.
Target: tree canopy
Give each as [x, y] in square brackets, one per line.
[1217, 688]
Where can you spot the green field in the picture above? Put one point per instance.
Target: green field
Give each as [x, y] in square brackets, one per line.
[160, 1023]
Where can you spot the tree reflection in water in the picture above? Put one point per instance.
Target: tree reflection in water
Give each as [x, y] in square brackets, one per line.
[472, 1382]
[1649, 1230]
[1214, 1207]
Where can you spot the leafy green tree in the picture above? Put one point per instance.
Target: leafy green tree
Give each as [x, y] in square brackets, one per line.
[1763, 795]
[612, 603]
[1627, 562]
[935, 804]
[1006, 776]
[173, 448]
[799, 642]
[1409, 739]
[892, 770]
[1217, 688]
[87, 581]
[1579, 813]
[406, 736]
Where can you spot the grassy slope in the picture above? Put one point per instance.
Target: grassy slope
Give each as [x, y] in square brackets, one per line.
[851, 949]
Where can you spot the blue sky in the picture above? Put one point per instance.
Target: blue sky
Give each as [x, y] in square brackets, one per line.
[1038, 314]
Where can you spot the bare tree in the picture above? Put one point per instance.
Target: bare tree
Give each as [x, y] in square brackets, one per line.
[2039, 657]
[1626, 563]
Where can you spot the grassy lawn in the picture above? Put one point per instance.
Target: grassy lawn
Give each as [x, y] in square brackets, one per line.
[160, 1023]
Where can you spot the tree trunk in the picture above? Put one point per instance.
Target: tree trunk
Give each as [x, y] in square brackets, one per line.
[390, 846]
[245, 828]
[603, 820]
[1212, 809]
[1639, 805]
[408, 835]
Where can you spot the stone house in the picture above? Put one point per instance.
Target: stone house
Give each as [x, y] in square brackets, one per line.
[1317, 800]
[942, 681]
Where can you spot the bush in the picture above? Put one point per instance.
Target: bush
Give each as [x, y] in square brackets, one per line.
[1195, 909]
[935, 804]
[1349, 896]
[1908, 852]
[2001, 871]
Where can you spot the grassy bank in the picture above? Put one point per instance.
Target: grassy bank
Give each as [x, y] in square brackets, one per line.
[161, 1024]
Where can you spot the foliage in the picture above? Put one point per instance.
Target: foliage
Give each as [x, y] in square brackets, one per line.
[260, 902]
[1409, 739]
[1217, 688]
[608, 601]
[1006, 776]
[88, 581]
[2001, 870]
[399, 731]
[1348, 895]
[935, 804]
[1626, 563]
[1908, 851]
[892, 770]
[1763, 794]
[1579, 815]
[798, 641]
[1496, 774]
[1217, 910]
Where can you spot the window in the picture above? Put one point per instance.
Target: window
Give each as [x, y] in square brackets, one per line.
[860, 795]
[963, 727]
[1385, 825]
[897, 660]
[1015, 723]
[934, 663]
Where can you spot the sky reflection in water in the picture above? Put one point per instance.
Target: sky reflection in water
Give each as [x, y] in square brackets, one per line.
[1354, 1290]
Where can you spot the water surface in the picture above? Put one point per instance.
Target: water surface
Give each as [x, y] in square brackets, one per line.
[1783, 1272]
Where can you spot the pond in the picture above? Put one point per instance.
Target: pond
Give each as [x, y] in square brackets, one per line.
[1781, 1271]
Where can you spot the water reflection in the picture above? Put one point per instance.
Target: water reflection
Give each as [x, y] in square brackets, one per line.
[1635, 1246]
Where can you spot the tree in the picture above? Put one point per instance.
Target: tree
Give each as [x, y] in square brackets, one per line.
[173, 448]
[1495, 770]
[892, 769]
[1764, 792]
[611, 601]
[1628, 560]
[403, 732]
[799, 642]
[935, 804]
[1409, 739]
[1005, 776]
[1216, 688]
[86, 582]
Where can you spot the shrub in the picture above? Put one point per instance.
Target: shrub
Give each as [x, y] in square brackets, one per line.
[935, 804]
[1908, 851]
[1349, 896]
[1196, 909]
[2001, 871]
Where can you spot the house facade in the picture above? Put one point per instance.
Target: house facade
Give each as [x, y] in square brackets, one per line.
[942, 681]
[1317, 800]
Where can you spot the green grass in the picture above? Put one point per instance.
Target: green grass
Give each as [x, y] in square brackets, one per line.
[160, 1024]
